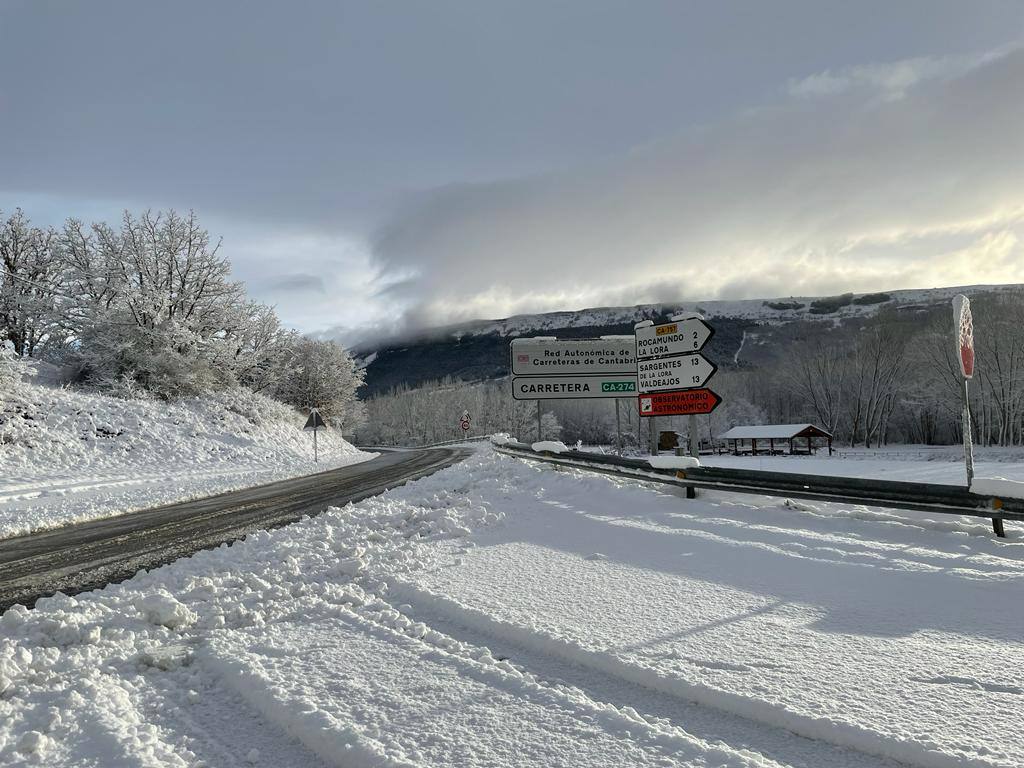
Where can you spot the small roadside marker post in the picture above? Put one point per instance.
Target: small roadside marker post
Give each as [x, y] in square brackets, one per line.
[313, 423]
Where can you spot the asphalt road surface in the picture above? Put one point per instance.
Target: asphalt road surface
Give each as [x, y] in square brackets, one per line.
[90, 555]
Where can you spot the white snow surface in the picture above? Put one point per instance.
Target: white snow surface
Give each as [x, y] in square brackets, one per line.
[68, 455]
[673, 462]
[503, 612]
[944, 465]
[551, 446]
[764, 431]
[998, 486]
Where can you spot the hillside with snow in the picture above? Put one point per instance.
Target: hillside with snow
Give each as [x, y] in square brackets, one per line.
[747, 331]
[68, 455]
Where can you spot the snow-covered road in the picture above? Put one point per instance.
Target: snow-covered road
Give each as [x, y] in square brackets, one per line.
[506, 613]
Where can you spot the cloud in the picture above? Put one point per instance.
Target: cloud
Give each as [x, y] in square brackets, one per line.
[804, 196]
[300, 283]
[891, 79]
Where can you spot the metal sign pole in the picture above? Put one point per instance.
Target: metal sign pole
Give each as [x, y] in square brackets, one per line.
[618, 427]
[538, 422]
[694, 440]
[316, 455]
[968, 438]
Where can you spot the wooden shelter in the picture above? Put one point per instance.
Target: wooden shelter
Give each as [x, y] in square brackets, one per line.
[768, 435]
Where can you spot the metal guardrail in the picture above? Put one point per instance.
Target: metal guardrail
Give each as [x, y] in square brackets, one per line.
[475, 439]
[922, 497]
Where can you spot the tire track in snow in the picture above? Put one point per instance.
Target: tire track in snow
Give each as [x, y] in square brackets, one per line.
[700, 720]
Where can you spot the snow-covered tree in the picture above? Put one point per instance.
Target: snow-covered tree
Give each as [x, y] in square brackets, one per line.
[158, 307]
[9, 374]
[30, 286]
[550, 429]
[322, 375]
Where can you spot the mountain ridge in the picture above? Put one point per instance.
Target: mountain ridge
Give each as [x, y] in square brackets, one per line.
[478, 349]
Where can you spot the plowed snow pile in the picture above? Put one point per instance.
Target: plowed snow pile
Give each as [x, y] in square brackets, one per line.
[68, 455]
[503, 613]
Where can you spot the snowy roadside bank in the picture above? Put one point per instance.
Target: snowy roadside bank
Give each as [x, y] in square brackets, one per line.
[68, 456]
[316, 644]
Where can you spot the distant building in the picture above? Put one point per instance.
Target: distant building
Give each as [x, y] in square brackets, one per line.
[763, 438]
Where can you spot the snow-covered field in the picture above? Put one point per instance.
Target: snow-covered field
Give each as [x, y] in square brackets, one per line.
[506, 613]
[67, 455]
[911, 463]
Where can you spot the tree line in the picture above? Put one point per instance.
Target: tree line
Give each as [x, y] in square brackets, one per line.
[149, 309]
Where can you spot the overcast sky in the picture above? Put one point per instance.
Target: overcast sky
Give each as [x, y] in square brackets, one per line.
[379, 165]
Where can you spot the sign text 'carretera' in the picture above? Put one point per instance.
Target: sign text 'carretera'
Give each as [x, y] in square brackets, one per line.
[572, 387]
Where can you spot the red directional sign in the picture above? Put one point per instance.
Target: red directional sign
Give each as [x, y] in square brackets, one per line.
[689, 402]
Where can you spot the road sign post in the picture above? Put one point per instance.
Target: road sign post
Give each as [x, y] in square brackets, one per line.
[618, 427]
[963, 324]
[314, 423]
[548, 368]
[671, 373]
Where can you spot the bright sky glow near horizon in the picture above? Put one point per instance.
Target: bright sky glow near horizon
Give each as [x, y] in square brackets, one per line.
[373, 166]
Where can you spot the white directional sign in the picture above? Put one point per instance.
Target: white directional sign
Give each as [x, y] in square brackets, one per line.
[572, 357]
[681, 337]
[572, 387]
[674, 373]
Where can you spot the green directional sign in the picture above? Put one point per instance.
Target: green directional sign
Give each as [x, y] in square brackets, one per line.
[618, 386]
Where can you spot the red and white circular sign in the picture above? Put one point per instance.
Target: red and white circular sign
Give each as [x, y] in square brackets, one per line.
[964, 324]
